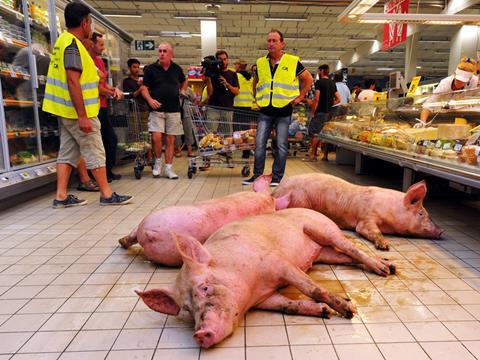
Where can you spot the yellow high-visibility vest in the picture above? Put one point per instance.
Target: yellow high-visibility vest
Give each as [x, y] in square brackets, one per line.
[57, 99]
[245, 97]
[283, 88]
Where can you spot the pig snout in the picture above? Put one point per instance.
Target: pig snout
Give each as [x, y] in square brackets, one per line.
[205, 337]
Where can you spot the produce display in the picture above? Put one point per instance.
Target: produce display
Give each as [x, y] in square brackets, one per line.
[458, 142]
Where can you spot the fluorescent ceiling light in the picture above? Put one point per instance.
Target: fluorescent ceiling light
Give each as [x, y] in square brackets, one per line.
[418, 67]
[427, 19]
[298, 38]
[194, 17]
[356, 7]
[268, 18]
[385, 69]
[331, 50]
[124, 15]
[353, 38]
[309, 61]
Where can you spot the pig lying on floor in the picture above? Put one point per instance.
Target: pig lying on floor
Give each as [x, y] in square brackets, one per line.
[370, 210]
[199, 220]
[243, 264]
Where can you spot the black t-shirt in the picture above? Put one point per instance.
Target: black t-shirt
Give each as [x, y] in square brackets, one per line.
[327, 90]
[164, 85]
[288, 109]
[131, 85]
[221, 96]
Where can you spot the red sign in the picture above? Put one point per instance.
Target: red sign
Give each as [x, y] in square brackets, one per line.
[395, 33]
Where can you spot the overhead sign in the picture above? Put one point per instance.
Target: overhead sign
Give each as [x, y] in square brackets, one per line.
[147, 45]
[395, 33]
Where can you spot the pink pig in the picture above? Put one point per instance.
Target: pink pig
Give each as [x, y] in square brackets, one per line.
[199, 221]
[243, 264]
[370, 210]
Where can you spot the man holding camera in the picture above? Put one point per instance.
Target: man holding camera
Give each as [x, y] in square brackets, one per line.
[163, 81]
[277, 90]
[223, 86]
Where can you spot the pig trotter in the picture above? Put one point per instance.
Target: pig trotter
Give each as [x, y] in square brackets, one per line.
[129, 240]
[279, 302]
[370, 231]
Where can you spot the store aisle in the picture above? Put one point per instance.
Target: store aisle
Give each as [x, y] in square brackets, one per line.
[66, 287]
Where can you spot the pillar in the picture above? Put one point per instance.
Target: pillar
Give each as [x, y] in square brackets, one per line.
[208, 30]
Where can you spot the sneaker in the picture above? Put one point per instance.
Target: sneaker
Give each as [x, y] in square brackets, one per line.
[116, 199]
[70, 201]
[157, 168]
[275, 182]
[250, 181]
[90, 185]
[169, 173]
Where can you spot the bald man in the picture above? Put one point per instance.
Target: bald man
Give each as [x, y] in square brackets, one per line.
[163, 81]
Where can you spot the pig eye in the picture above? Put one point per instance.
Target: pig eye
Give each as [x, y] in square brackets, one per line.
[420, 214]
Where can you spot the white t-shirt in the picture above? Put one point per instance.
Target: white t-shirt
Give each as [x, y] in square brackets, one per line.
[445, 87]
[366, 95]
[344, 92]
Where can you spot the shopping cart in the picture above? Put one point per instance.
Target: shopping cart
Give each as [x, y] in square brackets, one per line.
[131, 127]
[220, 134]
[298, 130]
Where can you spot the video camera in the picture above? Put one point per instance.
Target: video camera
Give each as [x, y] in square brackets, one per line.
[211, 67]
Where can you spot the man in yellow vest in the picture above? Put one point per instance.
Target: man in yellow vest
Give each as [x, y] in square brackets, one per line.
[277, 90]
[244, 100]
[71, 94]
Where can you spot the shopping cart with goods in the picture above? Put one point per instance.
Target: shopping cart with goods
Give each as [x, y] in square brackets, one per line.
[131, 127]
[222, 134]
[298, 129]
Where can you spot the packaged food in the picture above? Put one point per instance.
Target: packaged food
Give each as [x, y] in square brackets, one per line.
[453, 131]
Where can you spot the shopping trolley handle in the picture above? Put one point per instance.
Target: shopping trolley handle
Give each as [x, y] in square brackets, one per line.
[128, 95]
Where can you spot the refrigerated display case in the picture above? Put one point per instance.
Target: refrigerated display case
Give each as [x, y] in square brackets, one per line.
[448, 147]
[29, 137]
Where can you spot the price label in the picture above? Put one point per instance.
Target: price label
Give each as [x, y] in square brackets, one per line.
[39, 172]
[438, 144]
[4, 179]
[12, 72]
[457, 147]
[25, 175]
[447, 146]
[473, 139]
[52, 169]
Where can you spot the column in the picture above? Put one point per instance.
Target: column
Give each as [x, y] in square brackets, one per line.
[208, 30]
[411, 46]
[463, 43]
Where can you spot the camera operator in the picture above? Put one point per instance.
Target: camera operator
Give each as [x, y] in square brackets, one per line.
[223, 86]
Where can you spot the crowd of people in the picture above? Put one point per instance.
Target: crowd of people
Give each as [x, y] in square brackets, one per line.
[77, 92]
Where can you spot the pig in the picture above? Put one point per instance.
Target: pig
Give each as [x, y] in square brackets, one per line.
[199, 220]
[243, 265]
[371, 211]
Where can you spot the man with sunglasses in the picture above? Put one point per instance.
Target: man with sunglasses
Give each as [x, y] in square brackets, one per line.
[163, 81]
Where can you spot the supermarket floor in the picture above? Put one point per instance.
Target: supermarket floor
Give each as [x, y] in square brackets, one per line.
[66, 287]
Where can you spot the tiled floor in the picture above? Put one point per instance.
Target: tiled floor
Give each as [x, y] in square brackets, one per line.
[67, 289]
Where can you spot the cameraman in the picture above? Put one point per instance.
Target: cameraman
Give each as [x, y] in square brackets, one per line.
[222, 87]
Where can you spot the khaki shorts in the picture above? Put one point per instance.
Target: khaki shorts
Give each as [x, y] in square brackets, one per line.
[74, 143]
[167, 123]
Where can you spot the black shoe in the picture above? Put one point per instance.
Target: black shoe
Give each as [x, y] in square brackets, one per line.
[70, 201]
[112, 176]
[275, 182]
[250, 181]
[116, 199]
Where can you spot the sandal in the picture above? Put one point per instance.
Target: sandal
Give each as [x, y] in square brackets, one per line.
[309, 159]
[90, 185]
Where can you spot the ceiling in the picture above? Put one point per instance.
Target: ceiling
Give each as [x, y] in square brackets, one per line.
[242, 30]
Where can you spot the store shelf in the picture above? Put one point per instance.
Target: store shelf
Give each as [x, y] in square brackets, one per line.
[21, 134]
[5, 10]
[450, 170]
[13, 42]
[21, 103]
[8, 74]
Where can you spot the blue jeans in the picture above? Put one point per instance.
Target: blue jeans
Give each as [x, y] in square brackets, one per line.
[264, 128]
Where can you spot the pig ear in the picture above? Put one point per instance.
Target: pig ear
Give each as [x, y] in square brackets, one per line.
[283, 201]
[193, 253]
[415, 194]
[262, 183]
[160, 300]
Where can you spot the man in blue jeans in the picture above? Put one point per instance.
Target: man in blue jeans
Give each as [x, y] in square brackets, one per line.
[277, 89]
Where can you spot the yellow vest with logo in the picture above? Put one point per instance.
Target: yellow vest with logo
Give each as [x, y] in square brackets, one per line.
[57, 99]
[245, 96]
[283, 88]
